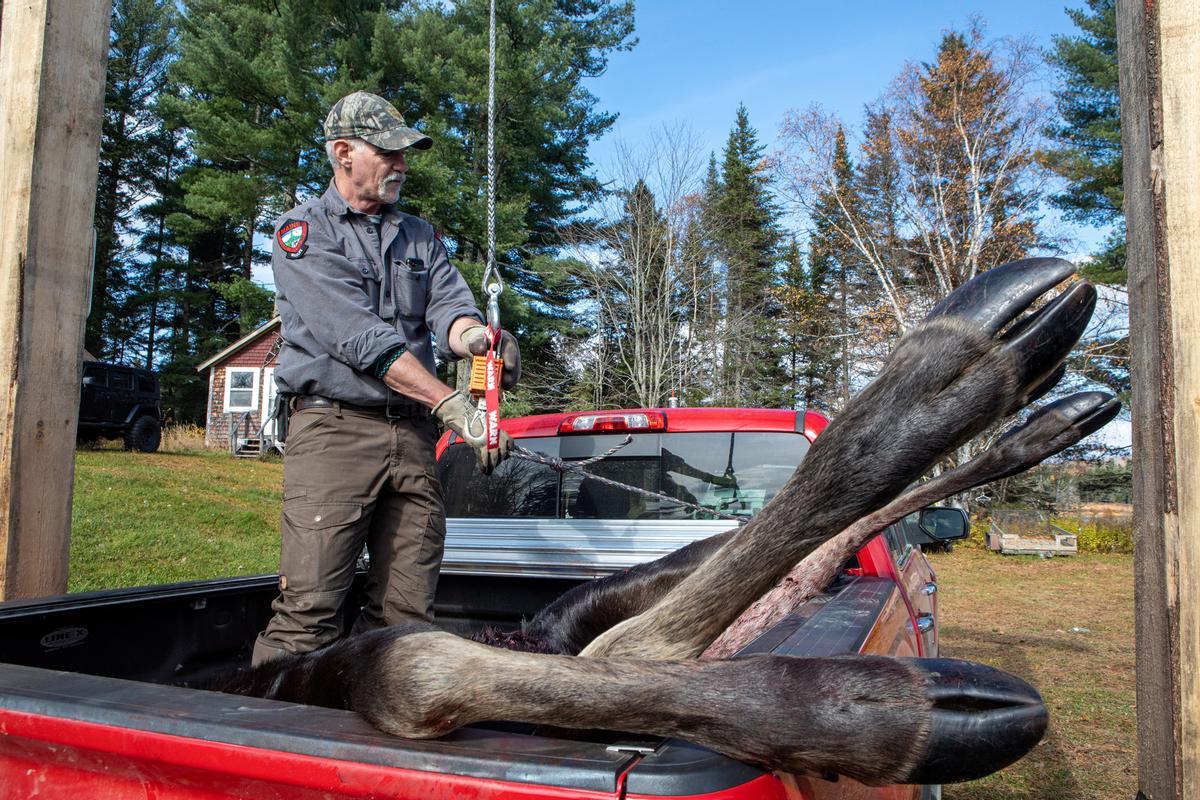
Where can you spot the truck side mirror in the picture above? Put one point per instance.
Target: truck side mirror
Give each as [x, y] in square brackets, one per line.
[944, 524]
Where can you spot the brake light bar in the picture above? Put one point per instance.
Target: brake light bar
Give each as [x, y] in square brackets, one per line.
[614, 421]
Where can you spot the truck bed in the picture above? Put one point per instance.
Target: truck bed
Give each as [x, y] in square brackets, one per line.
[101, 690]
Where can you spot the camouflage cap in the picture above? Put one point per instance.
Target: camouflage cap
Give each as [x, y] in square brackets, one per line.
[369, 117]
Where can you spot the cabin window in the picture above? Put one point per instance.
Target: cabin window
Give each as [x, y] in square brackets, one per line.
[241, 389]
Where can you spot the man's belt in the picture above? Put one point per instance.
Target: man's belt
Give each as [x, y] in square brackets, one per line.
[394, 409]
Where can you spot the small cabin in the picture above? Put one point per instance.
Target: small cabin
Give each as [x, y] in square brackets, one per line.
[241, 393]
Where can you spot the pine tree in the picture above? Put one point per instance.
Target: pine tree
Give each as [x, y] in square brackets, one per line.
[545, 117]
[747, 241]
[879, 191]
[258, 78]
[157, 246]
[436, 64]
[254, 86]
[838, 270]
[178, 331]
[1088, 155]
[791, 298]
[141, 45]
[701, 299]
[806, 322]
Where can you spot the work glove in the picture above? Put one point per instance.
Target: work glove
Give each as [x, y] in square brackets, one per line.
[459, 414]
[475, 339]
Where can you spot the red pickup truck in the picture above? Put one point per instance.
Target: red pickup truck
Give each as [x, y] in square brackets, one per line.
[100, 694]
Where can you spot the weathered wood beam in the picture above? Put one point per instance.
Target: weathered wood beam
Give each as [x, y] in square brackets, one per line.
[1159, 53]
[52, 63]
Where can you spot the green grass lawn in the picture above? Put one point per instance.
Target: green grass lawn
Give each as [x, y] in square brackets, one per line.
[144, 519]
[157, 518]
[1066, 626]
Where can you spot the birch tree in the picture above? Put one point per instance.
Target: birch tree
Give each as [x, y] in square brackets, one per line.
[969, 133]
[640, 288]
[953, 147]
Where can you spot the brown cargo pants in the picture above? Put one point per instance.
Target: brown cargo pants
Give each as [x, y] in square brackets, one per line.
[351, 477]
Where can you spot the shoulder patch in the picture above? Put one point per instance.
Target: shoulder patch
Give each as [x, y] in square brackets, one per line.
[291, 237]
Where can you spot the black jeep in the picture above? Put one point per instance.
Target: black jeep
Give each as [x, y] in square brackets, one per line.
[120, 401]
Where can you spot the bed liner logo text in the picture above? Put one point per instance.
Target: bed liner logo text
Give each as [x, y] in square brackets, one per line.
[64, 637]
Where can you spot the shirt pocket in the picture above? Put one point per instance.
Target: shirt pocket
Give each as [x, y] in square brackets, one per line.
[412, 291]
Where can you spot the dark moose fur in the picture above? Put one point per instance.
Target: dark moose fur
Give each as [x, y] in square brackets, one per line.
[581, 614]
[877, 719]
[419, 682]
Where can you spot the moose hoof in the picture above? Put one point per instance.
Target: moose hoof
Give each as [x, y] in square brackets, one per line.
[994, 301]
[981, 720]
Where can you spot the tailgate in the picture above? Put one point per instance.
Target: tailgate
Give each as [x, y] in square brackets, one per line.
[64, 733]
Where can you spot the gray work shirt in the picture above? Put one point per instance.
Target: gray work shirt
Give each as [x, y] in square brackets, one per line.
[349, 290]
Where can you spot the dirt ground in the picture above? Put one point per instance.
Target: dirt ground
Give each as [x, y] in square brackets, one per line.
[1066, 626]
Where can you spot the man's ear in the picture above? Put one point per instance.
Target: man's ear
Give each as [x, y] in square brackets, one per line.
[341, 152]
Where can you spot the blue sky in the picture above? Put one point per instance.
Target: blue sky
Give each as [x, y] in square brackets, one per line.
[696, 60]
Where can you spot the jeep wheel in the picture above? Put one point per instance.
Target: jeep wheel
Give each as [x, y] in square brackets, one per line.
[144, 434]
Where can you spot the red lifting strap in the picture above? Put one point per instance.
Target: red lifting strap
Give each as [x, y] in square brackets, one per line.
[492, 389]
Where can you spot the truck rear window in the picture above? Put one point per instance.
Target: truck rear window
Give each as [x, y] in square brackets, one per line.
[734, 473]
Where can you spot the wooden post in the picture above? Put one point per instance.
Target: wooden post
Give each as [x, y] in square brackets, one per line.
[1159, 49]
[52, 63]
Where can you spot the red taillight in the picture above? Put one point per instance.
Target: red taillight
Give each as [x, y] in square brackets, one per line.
[615, 421]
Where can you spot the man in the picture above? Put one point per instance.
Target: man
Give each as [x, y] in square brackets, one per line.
[362, 290]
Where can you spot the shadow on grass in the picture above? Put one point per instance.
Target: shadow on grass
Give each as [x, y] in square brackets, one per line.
[1047, 770]
[994, 648]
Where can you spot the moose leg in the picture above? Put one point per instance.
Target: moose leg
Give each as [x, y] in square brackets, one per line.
[579, 615]
[947, 380]
[584, 612]
[1048, 431]
[879, 720]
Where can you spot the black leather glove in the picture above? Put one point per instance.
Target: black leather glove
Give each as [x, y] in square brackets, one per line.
[459, 414]
[475, 339]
